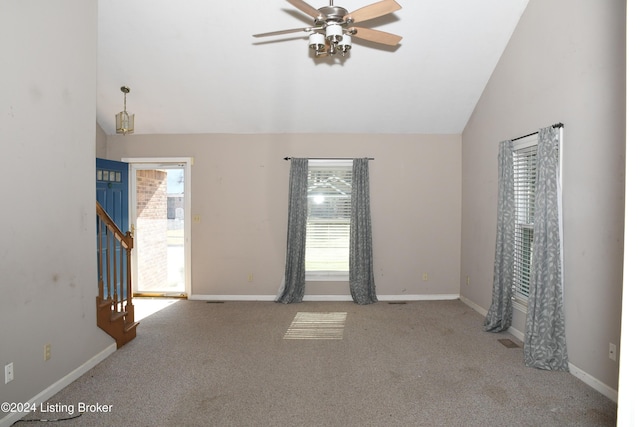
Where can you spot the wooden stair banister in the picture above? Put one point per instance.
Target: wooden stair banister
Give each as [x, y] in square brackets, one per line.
[114, 305]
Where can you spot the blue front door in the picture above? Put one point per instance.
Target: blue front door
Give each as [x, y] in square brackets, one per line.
[112, 192]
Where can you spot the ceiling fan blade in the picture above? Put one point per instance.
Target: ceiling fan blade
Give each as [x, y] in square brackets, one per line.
[293, 30]
[374, 10]
[375, 36]
[306, 8]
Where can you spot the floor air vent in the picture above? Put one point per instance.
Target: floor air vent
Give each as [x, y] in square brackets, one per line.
[508, 343]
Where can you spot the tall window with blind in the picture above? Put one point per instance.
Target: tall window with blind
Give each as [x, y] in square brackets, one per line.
[328, 220]
[524, 177]
[525, 164]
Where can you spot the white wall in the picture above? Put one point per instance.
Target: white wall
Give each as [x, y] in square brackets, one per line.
[240, 188]
[564, 63]
[47, 220]
[628, 412]
[101, 142]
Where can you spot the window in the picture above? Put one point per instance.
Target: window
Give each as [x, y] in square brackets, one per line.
[525, 164]
[524, 178]
[328, 220]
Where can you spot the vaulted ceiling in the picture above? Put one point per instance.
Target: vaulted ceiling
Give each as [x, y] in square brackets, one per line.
[194, 67]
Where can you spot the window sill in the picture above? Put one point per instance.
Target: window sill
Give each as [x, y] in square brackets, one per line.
[520, 306]
[327, 276]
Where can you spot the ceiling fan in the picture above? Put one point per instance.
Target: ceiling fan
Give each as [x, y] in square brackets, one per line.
[332, 26]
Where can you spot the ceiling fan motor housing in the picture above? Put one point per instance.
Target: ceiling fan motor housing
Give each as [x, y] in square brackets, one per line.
[332, 30]
[332, 21]
[332, 15]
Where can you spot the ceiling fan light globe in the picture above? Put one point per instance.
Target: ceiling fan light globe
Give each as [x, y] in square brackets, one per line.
[334, 33]
[344, 45]
[316, 41]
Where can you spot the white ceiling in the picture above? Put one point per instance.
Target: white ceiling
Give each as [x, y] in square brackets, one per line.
[194, 67]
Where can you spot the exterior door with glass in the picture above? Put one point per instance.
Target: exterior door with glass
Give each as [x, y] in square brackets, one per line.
[158, 215]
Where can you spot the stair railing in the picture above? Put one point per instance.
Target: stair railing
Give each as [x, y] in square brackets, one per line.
[114, 263]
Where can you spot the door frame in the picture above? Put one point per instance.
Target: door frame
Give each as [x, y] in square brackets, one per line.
[160, 161]
[112, 193]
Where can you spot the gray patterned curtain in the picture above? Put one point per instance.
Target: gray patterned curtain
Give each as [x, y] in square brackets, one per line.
[294, 275]
[361, 283]
[500, 313]
[544, 341]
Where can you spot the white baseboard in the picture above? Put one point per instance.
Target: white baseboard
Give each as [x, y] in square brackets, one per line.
[473, 305]
[232, 297]
[413, 297]
[419, 297]
[54, 388]
[516, 333]
[327, 298]
[574, 370]
[594, 383]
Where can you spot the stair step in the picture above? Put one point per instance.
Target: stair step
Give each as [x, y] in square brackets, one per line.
[105, 303]
[117, 315]
[130, 326]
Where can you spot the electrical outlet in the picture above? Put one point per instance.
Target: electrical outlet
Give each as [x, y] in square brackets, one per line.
[47, 352]
[468, 280]
[425, 276]
[250, 277]
[8, 373]
[612, 351]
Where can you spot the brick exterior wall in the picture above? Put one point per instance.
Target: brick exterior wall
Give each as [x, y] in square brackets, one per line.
[151, 234]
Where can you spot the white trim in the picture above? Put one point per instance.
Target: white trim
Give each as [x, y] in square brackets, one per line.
[518, 305]
[163, 162]
[592, 382]
[473, 305]
[326, 276]
[331, 162]
[516, 333]
[188, 160]
[187, 227]
[197, 297]
[513, 331]
[63, 382]
[327, 298]
[526, 142]
[419, 297]
[412, 297]
[629, 369]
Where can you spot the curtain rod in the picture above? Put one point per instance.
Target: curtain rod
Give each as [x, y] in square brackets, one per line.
[557, 125]
[331, 158]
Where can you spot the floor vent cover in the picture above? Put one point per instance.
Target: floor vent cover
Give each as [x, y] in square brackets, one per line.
[316, 326]
[508, 343]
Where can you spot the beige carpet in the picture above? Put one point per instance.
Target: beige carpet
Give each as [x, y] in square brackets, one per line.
[424, 363]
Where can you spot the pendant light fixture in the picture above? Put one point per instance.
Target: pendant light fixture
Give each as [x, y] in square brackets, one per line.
[124, 121]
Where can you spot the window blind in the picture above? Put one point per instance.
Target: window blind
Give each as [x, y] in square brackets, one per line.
[524, 176]
[328, 218]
